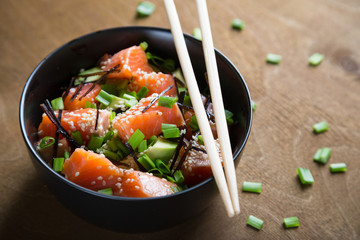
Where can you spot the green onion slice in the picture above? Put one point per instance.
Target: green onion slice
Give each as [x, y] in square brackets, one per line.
[152, 140]
[320, 127]
[144, 45]
[111, 155]
[338, 167]
[166, 101]
[47, 142]
[58, 164]
[200, 139]
[142, 146]
[176, 189]
[145, 9]
[57, 103]
[273, 58]
[171, 133]
[253, 105]
[193, 123]
[238, 24]
[108, 135]
[162, 166]
[229, 117]
[156, 172]
[179, 178]
[136, 139]
[197, 33]
[147, 163]
[95, 142]
[316, 59]
[291, 222]
[109, 88]
[76, 135]
[305, 176]
[107, 191]
[90, 105]
[165, 126]
[322, 155]
[252, 187]
[66, 155]
[104, 98]
[142, 92]
[255, 222]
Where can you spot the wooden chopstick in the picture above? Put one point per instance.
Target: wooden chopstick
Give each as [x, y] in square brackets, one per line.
[217, 101]
[198, 106]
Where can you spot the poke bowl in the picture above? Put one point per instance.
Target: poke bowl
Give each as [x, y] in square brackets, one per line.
[121, 213]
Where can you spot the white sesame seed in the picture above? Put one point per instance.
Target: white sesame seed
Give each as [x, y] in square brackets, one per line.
[77, 174]
[99, 178]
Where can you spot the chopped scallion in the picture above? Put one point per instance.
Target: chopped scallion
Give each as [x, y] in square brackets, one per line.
[253, 105]
[194, 124]
[320, 127]
[152, 140]
[255, 222]
[112, 145]
[305, 176]
[111, 155]
[95, 142]
[142, 92]
[66, 155]
[136, 139]
[229, 117]
[144, 45]
[58, 164]
[322, 155]
[179, 178]
[145, 9]
[57, 103]
[142, 146]
[238, 24]
[122, 147]
[176, 189]
[131, 102]
[165, 126]
[108, 136]
[316, 59]
[171, 133]
[76, 135]
[156, 172]
[107, 191]
[112, 116]
[197, 33]
[252, 187]
[170, 179]
[291, 222]
[273, 58]
[104, 98]
[338, 167]
[109, 88]
[166, 101]
[200, 139]
[46, 142]
[162, 166]
[147, 163]
[90, 105]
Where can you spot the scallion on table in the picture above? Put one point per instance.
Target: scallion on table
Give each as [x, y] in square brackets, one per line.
[291, 222]
[338, 167]
[273, 58]
[237, 24]
[320, 127]
[252, 187]
[145, 8]
[305, 176]
[255, 222]
[322, 155]
[316, 59]
[197, 33]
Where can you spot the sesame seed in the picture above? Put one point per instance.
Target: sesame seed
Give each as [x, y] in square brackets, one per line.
[137, 187]
[77, 174]
[99, 178]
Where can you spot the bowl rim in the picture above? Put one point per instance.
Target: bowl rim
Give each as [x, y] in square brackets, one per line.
[95, 193]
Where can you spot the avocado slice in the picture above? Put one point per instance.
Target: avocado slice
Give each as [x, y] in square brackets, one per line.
[163, 149]
[117, 102]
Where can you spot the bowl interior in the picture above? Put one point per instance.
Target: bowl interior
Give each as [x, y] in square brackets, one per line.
[53, 74]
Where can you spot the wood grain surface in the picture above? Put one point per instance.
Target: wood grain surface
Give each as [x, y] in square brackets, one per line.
[291, 97]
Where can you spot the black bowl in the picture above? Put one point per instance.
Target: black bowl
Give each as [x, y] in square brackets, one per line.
[120, 213]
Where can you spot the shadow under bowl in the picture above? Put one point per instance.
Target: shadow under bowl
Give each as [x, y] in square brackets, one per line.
[121, 213]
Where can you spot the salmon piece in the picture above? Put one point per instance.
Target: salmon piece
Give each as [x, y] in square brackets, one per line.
[155, 82]
[91, 170]
[140, 184]
[149, 123]
[134, 66]
[82, 120]
[196, 167]
[77, 103]
[95, 172]
[130, 60]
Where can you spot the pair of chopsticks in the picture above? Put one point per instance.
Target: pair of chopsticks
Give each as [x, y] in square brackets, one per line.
[230, 198]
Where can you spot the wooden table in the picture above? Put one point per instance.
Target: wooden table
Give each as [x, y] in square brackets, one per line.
[291, 97]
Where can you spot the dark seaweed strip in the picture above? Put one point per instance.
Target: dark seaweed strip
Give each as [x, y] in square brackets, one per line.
[182, 106]
[78, 89]
[188, 148]
[181, 97]
[179, 81]
[177, 150]
[97, 115]
[132, 152]
[69, 87]
[156, 98]
[199, 149]
[114, 69]
[57, 137]
[46, 107]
